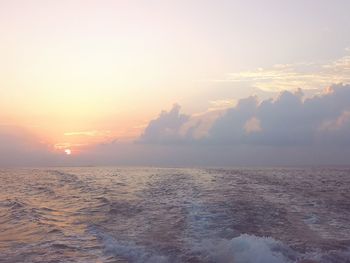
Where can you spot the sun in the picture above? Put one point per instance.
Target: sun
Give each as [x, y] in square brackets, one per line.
[68, 151]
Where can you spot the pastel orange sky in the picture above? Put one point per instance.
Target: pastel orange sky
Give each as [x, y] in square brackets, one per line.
[77, 73]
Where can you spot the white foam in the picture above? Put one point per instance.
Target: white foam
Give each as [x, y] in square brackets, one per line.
[130, 251]
[242, 249]
[247, 249]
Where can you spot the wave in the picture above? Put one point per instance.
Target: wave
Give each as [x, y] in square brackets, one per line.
[253, 249]
[247, 249]
[128, 250]
[242, 249]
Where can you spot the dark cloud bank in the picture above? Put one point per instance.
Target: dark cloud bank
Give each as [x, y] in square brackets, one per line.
[290, 130]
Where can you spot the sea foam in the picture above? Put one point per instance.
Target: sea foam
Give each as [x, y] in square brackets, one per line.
[242, 249]
[247, 249]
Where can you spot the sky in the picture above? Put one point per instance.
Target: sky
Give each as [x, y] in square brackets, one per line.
[174, 82]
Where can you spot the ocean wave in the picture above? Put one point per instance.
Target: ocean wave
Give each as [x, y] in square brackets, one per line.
[130, 251]
[247, 249]
[242, 249]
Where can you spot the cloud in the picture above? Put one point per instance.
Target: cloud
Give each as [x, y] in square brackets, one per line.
[336, 131]
[252, 125]
[221, 104]
[291, 119]
[309, 76]
[92, 133]
[229, 128]
[335, 125]
[166, 128]
[21, 148]
[288, 120]
[291, 129]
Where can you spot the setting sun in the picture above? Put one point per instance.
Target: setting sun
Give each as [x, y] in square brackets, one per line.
[68, 151]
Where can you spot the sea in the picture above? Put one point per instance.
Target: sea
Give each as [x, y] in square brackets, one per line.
[149, 214]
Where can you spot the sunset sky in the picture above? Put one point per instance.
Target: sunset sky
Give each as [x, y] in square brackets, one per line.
[83, 75]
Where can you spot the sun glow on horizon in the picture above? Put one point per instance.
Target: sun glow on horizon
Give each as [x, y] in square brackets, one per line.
[68, 151]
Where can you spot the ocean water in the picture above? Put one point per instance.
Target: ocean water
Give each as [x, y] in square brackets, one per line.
[175, 215]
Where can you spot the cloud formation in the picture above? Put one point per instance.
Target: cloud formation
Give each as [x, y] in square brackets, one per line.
[288, 120]
[309, 76]
[166, 128]
[291, 129]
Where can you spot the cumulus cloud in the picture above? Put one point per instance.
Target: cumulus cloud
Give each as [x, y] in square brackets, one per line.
[166, 128]
[252, 125]
[291, 119]
[291, 129]
[229, 128]
[336, 131]
[335, 125]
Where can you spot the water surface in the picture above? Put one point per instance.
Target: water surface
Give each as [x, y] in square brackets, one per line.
[174, 215]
